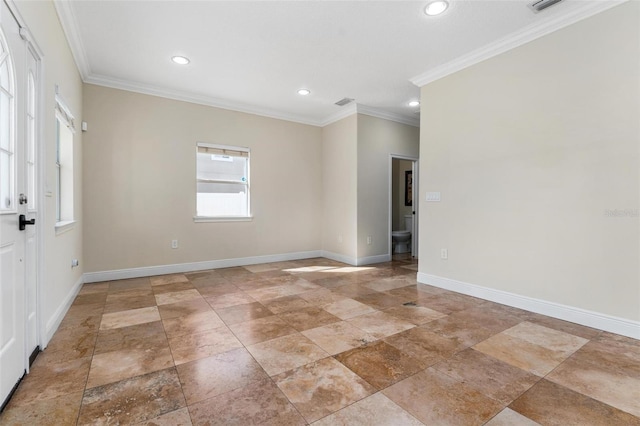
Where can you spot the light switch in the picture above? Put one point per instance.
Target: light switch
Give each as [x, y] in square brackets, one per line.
[433, 196]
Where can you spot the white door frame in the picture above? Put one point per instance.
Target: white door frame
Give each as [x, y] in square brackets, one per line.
[415, 196]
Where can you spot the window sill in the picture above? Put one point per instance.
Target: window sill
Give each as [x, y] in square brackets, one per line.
[204, 219]
[64, 226]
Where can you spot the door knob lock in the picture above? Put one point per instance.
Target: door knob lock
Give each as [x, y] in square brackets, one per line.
[23, 222]
[22, 199]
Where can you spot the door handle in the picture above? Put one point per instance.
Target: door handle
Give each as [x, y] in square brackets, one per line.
[23, 222]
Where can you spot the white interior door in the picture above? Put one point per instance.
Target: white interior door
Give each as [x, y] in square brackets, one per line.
[13, 155]
[415, 197]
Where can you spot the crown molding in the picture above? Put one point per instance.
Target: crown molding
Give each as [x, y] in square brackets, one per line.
[344, 112]
[69, 23]
[518, 38]
[178, 95]
[373, 112]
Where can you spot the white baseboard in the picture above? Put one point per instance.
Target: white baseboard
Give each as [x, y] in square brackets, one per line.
[373, 259]
[54, 322]
[359, 261]
[147, 271]
[580, 316]
[339, 257]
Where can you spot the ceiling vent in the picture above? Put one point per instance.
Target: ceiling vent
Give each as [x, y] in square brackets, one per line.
[540, 5]
[344, 101]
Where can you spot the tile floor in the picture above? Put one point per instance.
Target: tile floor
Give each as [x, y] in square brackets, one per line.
[318, 342]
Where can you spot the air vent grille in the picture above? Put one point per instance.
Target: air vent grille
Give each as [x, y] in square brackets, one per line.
[540, 5]
[344, 101]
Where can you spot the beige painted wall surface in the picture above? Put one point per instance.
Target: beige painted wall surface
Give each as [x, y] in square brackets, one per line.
[140, 182]
[59, 69]
[530, 149]
[339, 176]
[377, 140]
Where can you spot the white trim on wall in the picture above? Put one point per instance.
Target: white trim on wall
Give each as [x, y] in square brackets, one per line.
[147, 271]
[513, 40]
[573, 314]
[54, 322]
[357, 261]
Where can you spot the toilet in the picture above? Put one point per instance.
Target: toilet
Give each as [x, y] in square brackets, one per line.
[401, 239]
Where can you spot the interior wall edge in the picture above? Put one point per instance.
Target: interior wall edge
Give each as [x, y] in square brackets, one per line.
[622, 326]
[54, 321]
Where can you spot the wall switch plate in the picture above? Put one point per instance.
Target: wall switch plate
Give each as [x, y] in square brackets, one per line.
[444, 254]
[369, 240]
[174, 244]
[433, 196]
[74, 263]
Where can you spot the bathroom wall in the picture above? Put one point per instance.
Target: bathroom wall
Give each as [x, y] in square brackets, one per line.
[59, 281]
[139, 172]
[339, 177]
[377, 140]
[536, 154]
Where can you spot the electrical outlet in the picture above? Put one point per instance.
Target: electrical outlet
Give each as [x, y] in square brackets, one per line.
[174, 244]
[369, 240]
[74, 263]
[444, 254]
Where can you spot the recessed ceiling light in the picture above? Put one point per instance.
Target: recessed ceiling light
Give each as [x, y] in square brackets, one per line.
[180, 60]
[304, 92]
[436, 7]
[414, 103]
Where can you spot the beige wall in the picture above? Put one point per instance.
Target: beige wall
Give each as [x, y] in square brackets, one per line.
[57, 283]
[377, 140]
[139, 170]
[339, 177]
[529, 150]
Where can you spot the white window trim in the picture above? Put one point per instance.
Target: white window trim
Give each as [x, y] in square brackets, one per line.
[64, 226]
[249, 217]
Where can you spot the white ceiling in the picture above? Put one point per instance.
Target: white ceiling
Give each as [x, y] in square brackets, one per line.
[254, 55]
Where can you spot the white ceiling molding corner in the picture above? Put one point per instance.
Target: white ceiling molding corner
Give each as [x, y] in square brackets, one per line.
[177, 95]
[344, 112]
[69, 25]
[373, 112]
[518, 38]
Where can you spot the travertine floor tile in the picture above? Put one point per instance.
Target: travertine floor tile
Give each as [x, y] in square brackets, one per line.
[208, 377]
[244, 312]
[338, 337]
[508, 417]
[168, 279]
[417, 315]
[321, 388]
[531, 347]
[62, 410]
[494, 378]
[286, 304]
[110, 367]
[177, 296]
[181, 309]
[380, 325]
[149, 335]
[128, 318]
[190, 347]
[260, 403]
[307, 318]
[375, 410]
[435, 398]
[260, 330]
[173, 418]
[380, 364]
[424, 345]
[348, 308]
[133, 400]
[192, 323]
[172, 288]
[551, 404]
[231, 299]
[286, 353]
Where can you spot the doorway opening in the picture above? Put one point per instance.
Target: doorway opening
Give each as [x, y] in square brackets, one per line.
[403, 205]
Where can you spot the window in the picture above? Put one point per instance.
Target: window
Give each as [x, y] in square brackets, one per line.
[222, 175]
[7, 145]
[64, 165]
